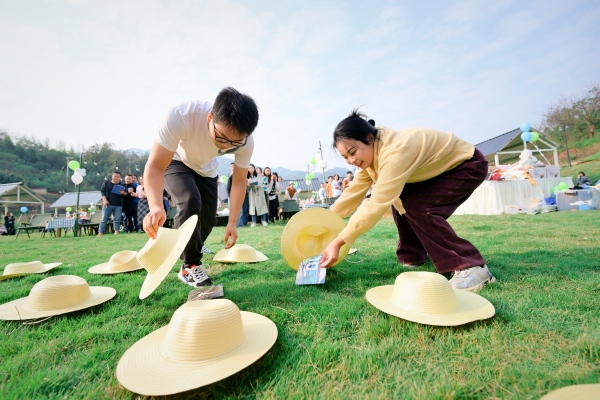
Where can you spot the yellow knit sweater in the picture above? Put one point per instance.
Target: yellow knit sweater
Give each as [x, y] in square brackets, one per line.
[400, 157]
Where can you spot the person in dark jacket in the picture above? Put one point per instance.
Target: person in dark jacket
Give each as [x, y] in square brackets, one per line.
[112, 202]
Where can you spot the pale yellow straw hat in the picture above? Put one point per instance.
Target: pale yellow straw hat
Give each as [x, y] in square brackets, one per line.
[428, 298]
[158, 255]
[308, 233]
[24, 268]
[240, 253]
[121, 261]
[575, 392]
[56, 295]
[205, 341]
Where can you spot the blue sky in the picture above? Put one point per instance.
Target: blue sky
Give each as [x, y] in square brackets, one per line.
[86, 72]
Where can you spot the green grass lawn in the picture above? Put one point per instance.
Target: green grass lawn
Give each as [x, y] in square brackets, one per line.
[332, 343]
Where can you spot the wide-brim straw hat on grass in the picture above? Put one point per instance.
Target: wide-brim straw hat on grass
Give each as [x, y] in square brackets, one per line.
[121, 261]
[575, 392]
[158, 255]
[428, 298]
[240, 253]
[56, 295]
[308, 233]
[24, 268]
[205, 341]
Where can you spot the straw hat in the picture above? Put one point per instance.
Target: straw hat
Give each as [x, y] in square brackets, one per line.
[575, 392]
[56, 295]
[308, 233]
[205, 341]
[428, 298]
[122, 261]
[158, 255]
[240, 253]
[24, 268]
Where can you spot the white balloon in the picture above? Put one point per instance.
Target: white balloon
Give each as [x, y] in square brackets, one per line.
[77, 179]
[322, 164]
[308, 182]
[318, 157]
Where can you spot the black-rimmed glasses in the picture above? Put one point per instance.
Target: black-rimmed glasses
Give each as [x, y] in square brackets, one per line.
[222, 139]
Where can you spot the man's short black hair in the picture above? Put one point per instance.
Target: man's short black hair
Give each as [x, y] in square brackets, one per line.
[236, 110]
[116, 172]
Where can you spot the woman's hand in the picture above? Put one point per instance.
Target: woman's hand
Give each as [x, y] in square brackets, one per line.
[230, 233]
[332, 253]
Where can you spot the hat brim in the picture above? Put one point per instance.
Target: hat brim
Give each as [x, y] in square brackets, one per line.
[471, 307]
[223, 256]
[47, 267]
[306, 219]
[15, 310]
[103, 269]
[574, 392]
[155, 278]
[143, 368]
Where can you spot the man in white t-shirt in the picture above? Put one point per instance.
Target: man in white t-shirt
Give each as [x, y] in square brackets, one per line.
[183, 160]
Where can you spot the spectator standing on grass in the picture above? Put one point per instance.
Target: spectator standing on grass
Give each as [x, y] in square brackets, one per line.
[140, 194]
[425, 175]
[336, 186]
[136, 222]
[112, 203]
[328, 189]
[349, 177]
[321, 193]
[272, 194]
[183, 159]
[9, 223]
[256, 197]
[128, 207]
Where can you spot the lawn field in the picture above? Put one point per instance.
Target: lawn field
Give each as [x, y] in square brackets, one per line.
[332, 343]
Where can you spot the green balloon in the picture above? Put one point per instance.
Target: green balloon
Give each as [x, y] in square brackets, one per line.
[68, 209]
[563, 185]
[534, 136]
[73, 165]
[313, 160]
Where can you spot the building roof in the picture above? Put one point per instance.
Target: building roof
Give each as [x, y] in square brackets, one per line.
[16, 192]
[70, 199]
[498, 143]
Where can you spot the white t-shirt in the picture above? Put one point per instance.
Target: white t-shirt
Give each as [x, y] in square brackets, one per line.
[185, 131]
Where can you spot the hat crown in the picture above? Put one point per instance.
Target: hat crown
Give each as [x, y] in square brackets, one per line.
[424, 292]
[122, 261]
[25, 267]
[242, 252]
[203, 330]
[58, 292]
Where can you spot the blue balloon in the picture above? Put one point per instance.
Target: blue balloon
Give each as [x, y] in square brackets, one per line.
[526, 136]
[525, 127]
[24, 209]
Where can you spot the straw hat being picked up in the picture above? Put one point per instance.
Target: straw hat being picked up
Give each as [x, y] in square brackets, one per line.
[56, 295]
[205, 342]
[308, 233]
[24, 268]
[240, 253]
[158, 255]
[428, 298]
[121, 261]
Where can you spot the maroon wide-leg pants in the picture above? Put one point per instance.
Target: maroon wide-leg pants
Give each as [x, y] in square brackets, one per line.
[423, 230]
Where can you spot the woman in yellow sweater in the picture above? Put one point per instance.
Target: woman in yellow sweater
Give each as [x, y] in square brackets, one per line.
[424, 175]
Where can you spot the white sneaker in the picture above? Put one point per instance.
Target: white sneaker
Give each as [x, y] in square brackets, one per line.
[472, 279]
[265, 223]
[253, 225]
[195, 276]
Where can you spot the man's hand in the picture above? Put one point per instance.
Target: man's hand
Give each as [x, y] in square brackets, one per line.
[332, 253]
[105, 203]
[154, 220]
[230, 232]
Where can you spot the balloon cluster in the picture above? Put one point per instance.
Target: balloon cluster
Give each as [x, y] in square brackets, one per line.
[313, 163]
[560, 186]
[24, 209]
[527, 135]
[78, 173]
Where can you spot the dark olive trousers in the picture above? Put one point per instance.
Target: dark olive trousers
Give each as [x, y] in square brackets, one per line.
[193, 195]
[424, 230]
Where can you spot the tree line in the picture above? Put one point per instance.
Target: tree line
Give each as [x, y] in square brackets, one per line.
[25, 159]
